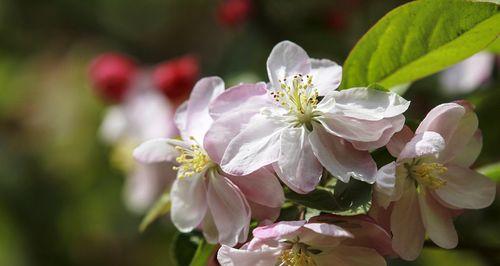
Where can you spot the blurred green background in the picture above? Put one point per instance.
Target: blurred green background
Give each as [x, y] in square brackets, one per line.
[61, 200]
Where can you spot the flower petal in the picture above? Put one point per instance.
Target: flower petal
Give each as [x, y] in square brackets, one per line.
[297, 166]
[264, 256]
[261, 187]
[241, 98]
[209, 229]
[385, 185]
[326, 75]
[470, 152]
[323, 235]
[354, 129]
[155, 150]
[189, 203]
[278, 231]
[438, 222]
[399, 140]
[255, 147]
[229, 210]
[350, 256]
[264, 213]
[340, 158]
[442, 119]
[466, 188]
[198, 119]
[397, 124]
[369, 104]
[114, 125]
[286, 59]
[423, 144]
[406, 225]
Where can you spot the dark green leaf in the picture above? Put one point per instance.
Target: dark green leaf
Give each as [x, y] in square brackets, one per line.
[202, 254]
[418, 39]
[185, 247]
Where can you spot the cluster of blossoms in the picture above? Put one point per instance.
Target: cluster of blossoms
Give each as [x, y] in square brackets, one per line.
[143, 103]
[236, 145]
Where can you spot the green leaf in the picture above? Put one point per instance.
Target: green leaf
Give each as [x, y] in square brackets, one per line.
[336, 197]
[495, 47]
[203, 253]
[492, 171]
[161, 207]
[418, 39]
[185, 247]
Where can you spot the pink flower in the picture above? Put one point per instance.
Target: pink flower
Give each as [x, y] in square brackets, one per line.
[299, 124]
[143, 114]
[203, 196]
[430, 182]
[300, 243]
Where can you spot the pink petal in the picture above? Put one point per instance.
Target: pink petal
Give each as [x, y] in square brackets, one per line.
[340, 158]
[209, 229]
[470, 152]
[255, 147]
[114, 125]
[198, 119]
[263, 212]
[442, 119]
[297, 166]
[278, 231]
[406, 225]
[369, 104]
[229, 210]
[350, 256]
[320, 235]
[188, 196]
[326, 75]
[423, 144]
[438, 222]
[261, 187]
[265, 256]
[466, 188]
[353, 129]
[286, 59]
[240, 97]
[399, 140]
[385, 185]
[397, 124]
[156, 150]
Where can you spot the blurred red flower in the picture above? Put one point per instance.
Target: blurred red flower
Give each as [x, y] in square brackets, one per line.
[175, 78]
[234, 12]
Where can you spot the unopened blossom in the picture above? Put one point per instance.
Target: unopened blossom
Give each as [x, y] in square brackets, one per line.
[203, 196]
[111, 75]
[142, 114]
[297, 243]
[469, 74]
[431, 180]
[299, 123]
[175, 78]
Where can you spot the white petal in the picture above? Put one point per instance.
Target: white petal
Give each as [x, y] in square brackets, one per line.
[369, 104]
[340, 158]
[470, 152]
[286, 59]
[326, 75]
[255, 147]
[466, 188]
[385, 184]
[229, 209]
[297, 165]
[397, 124]
[189, 202]
[425, 144]
[155, 150]
[114, 125]
[438, 222]
[406, 225]
[354, 129]
[350, 256]
[265, 256]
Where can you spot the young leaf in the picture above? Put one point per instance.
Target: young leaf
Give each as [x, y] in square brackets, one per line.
[418, 39]
[185, 246]
[161, 207]
[492, 171]
[202, 254]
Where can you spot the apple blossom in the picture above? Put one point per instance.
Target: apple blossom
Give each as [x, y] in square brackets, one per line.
[143, 114]
[299, 124]
[297, 243]
[431, 180]
[202, 195]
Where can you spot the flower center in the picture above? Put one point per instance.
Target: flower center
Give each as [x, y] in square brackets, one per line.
[429, 174]
[299, 97]
[192, 160]
[297, 255]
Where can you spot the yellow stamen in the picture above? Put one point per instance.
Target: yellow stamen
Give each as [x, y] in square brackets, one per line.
[297, 255]
[192, 160]
[429, 174]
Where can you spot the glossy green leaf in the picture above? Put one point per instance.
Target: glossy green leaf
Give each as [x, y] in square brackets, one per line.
[418, 39]
[161, 207]
[336, 197]
[492, 171]
[185, 247]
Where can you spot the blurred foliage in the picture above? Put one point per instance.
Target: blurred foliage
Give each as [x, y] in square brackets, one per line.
[60, 199]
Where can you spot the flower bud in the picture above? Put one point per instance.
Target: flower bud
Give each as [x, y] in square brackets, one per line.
[234, 12]
[175, 78]
[111, 75]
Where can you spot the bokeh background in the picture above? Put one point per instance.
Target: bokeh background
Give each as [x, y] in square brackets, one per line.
[61, 198]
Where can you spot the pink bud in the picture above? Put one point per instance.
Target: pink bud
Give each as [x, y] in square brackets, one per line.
[111, 74]
[234, 12]
[176, 77]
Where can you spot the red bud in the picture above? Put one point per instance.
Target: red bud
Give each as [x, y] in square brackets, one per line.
[175, 78]
[234, 12]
